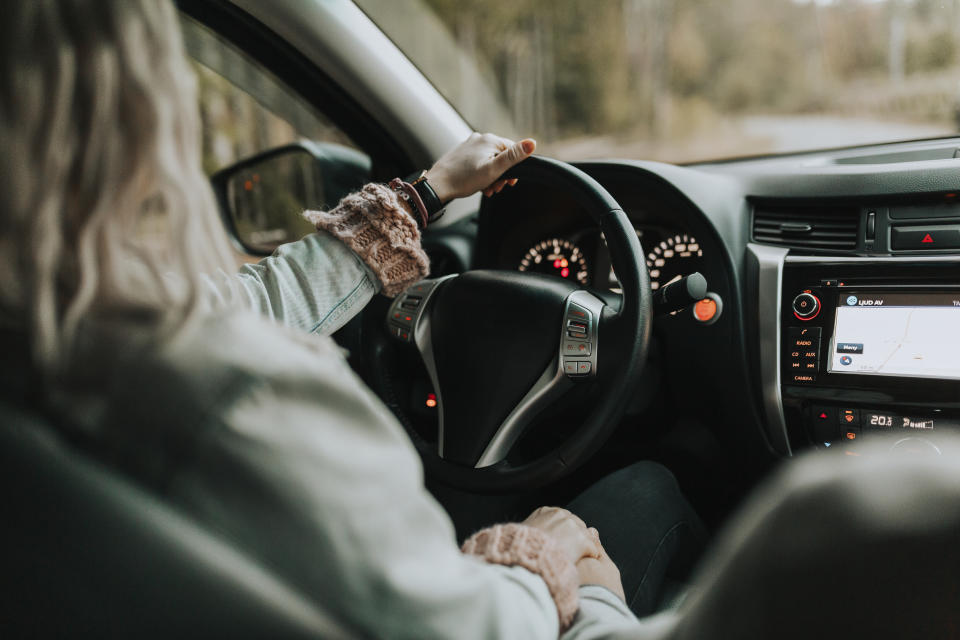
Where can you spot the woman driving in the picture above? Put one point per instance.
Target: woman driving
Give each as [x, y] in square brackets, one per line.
[221, 393]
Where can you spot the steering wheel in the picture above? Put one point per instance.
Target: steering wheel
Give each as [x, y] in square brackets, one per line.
[500, 346]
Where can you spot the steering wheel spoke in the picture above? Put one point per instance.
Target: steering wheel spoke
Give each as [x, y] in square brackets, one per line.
[576, 360]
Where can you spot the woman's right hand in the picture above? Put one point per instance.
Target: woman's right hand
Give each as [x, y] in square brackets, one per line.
[568, 531]
[476, 164]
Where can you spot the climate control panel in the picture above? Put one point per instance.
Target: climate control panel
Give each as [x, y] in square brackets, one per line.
[829, 425]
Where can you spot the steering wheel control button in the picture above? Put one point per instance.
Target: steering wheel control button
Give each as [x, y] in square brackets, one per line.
[408, 307]
[579, 335]
[571, 348]
[806, 306]
[576, 312]
[577, 329]
[402, 318]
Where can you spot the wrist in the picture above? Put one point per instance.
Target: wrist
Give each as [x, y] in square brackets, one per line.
[441, 185]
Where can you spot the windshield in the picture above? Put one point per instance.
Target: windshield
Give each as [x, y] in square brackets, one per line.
[688, 80]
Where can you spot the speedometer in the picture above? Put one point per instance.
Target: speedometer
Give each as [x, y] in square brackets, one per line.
[557, 257]
[673, 258]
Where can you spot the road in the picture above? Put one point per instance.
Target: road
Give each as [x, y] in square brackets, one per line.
[797, 133]
[749, 135]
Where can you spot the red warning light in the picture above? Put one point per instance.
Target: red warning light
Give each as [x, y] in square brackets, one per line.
[431, 400]
[556, 263]
[564, 272]
[823, 415]
[927, 239]
[248, 185]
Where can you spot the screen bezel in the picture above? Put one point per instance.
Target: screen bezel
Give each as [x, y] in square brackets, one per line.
[872, 293]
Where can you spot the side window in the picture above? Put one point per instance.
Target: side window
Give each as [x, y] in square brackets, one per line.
[246, 111]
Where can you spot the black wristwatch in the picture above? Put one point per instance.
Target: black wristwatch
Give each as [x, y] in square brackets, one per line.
[435, 208]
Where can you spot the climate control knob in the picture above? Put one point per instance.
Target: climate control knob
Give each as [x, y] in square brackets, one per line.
[806, 306]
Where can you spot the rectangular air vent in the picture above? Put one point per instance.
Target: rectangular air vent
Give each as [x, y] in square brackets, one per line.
[829, 227]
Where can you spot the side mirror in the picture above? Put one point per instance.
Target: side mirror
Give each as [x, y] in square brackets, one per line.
[262, 198]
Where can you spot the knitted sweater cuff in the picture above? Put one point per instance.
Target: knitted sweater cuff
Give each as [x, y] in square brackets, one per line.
[375, 225]
[534, 550]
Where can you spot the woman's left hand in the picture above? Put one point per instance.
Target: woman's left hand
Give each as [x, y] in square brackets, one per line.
[476, 164]
[568, 531]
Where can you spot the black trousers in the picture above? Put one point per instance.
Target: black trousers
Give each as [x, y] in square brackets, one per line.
[647, 528]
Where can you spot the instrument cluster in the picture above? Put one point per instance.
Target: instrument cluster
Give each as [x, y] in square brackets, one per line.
[583, 257]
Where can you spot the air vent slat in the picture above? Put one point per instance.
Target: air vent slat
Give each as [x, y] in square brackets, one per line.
[816, 226]
[807, 226]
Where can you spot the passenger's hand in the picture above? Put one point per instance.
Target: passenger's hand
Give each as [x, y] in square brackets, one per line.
[601, 571]
[568, 530]
[476, 164]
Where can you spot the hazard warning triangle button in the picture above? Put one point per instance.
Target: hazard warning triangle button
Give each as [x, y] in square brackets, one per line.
[931, 238]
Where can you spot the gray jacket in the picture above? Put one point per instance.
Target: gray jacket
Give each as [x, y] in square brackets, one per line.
[263, 433]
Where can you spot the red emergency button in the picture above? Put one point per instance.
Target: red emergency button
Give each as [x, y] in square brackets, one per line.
[704, 310]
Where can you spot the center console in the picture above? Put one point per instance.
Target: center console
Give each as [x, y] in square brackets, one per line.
[868, 346]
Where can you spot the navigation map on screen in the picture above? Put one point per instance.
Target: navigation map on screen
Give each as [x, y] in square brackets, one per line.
[899, 334]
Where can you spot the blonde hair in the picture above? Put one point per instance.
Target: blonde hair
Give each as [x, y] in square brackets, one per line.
[99, 131]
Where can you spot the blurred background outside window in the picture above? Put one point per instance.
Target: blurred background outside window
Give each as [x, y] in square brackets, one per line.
[688, 80]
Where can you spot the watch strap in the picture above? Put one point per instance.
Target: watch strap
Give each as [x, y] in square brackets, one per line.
[432, 203]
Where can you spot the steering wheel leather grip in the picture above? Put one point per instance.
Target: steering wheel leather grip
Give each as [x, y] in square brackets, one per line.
[491, 342]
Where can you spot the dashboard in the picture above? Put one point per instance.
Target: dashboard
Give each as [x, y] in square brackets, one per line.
[868, 237]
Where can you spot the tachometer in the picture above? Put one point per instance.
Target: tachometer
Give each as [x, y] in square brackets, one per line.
[673, 258]
[558, 257]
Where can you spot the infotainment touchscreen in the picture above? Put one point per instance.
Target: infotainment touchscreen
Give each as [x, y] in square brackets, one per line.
[897, 334]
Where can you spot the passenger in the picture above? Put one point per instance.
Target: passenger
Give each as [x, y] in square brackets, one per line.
[254, 428]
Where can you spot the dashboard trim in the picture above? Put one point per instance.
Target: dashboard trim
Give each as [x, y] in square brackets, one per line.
[770, 261]
[870, 259]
